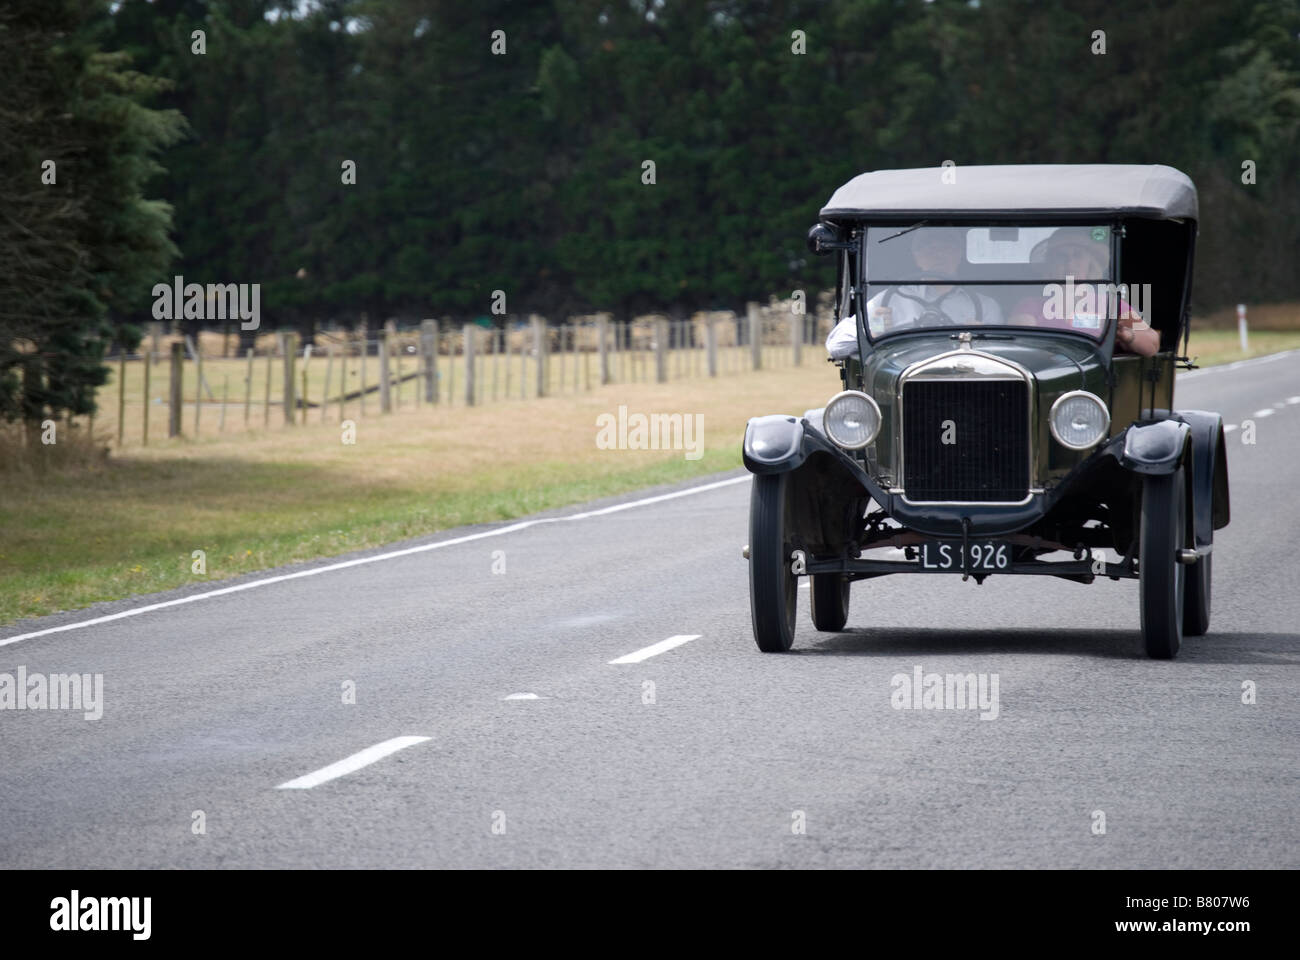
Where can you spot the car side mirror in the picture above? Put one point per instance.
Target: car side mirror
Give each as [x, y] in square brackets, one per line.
[823, 238]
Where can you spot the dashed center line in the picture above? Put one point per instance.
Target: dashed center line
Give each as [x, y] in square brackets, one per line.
[663, 646]
[522, 696]
[1266, 412]
[351, 764]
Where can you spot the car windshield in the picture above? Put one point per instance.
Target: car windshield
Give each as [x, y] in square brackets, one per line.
[1057, 278]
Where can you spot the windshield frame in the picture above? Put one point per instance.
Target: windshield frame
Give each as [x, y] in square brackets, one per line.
[1102, 338]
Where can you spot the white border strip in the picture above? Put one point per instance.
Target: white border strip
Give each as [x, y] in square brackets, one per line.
[391, 555]
[350, 764]
[1249, 362]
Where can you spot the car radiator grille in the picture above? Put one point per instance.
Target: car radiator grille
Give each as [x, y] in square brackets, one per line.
[989, 458]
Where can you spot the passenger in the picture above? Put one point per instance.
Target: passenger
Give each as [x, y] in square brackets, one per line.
[1069, 255]
[939, 253]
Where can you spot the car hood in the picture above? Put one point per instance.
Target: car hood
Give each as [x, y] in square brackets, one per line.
[1057, 362]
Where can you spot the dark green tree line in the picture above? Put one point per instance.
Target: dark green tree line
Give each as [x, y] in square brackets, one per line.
[506, 146]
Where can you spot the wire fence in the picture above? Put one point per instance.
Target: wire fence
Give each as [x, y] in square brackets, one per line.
[180, 387]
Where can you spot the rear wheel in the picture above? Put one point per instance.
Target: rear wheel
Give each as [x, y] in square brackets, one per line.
[1196, 598]
[773, 587]
[829, 600]
[1161, 576]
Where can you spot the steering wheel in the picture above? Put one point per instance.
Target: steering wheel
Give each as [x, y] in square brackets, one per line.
[933, 314]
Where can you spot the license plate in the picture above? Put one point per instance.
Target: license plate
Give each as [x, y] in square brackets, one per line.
[985, 556]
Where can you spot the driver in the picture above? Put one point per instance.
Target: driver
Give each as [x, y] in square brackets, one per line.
[933, 302]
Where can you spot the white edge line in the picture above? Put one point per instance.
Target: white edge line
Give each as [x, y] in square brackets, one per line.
[1248, 362]
[663, 646]
[351, 764]
[375, 558]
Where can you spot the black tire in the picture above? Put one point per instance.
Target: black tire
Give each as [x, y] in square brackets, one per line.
[773, 587]
[1161, 576]
[1196, 598]
[828, 598]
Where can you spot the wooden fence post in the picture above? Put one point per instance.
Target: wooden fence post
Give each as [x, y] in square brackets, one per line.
[755, 335]
[498, 339]
[602, 347]
[661, 350]
[177, 373]
[796, 336]
[467, 331]
[121, 395]
[198, 389]
[385, 379]
[539, 340]
[397, 362]
[248, 388]
[365, 359]
[343, 379]
[289, 349]
[429, 347]
[451, 362]
[711, 345]
[146, 401]
[329, 375]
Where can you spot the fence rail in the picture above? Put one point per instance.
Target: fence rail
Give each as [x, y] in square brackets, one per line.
[187, 390]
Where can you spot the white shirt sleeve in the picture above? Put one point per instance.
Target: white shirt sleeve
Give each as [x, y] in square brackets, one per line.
[843, 339]
[991, 310]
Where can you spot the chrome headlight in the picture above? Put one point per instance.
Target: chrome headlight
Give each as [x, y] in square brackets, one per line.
[1079, 420]
[852, 419]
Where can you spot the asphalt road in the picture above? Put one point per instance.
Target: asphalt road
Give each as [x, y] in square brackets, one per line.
[217, 703]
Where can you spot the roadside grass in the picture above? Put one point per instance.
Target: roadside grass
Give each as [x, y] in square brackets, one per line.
[89, 528]
[1214, 346]
[129, 524]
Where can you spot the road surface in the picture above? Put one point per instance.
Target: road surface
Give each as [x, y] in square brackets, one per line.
[492, 728]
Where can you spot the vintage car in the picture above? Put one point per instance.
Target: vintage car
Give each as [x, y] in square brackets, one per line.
[1005, 407]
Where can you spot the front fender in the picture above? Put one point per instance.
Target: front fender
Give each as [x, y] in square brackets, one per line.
[781, 444]
[1155, 448]
[773, 444]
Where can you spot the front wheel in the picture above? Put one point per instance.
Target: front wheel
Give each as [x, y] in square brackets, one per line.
[1161, 580]
[829, 600]
[773, 586]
